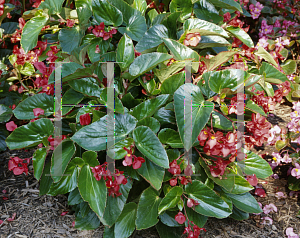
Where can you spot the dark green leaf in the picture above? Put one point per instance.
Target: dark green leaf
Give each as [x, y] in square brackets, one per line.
[241, 35]
[46, 180]
[5, 113]
[125, 224]
[170, 137]
[107, 13]
[74, 197]
[151, 122]
[203, 27]
[70, 38]
[171, 84]
[125, 52]
[170, 200]
[38, 160]
[136, 27]
[227, 4]
[167, 232]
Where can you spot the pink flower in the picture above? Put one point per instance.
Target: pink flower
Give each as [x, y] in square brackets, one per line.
[38, 111]
[270, 208]
[260, 192]
[296, 171]
[64, 213]
[280, 195]
[192, 39]
[252, 179]
[267, 221]
[290, 233]
[70, 23]
[11, 126]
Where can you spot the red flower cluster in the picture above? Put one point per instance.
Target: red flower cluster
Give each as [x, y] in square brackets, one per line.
[193, 232]
[112, 182]
[18, 165]
[43, 81]
[192, 203]
[55, 141]
[137, 161]
[237, 104]
[22, 57]
[38, 111]
[2, 7]
[175, 169]
[85, 119]
[99, 31]
[180, 218]
[51, 54]
[70, 22]
[259, 127]
[40, 47]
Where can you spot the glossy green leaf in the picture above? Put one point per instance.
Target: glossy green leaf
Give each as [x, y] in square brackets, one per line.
[27, 69]
[92, 191]
[70, 38]
[146, 62]
[89, 222]
[103, 47]
[229, 78]
[238, 214]
[3, 135]
[24, 111]
[171, 84]
[127, 10]
[200, 112]
[85, 137]
[165, 231]
[84, 11]
[170, 137]
[180, 51]
[149, 145]
[227, 4]
[241, 35]
[5, 113]
[265, 55]
[289, 67]
[125, 224]
[74, 197]
[197, 218]
[210, 203]
[151, 122]
[147, 211]
[152, 38]
[170, 200]
[115, 205]
[46, 180]
[245, 202]
[140, 5]
[203, 27]
[183, 6]
[125, 52]
[212, 41]
[117, 152]
[204, 14]
[107, 13]
[31, 32]
[149, 107]
[168, 218]
[171, 24]
[38, 161]
[152, 173]
[90, 158]
[254, 164]
[117, 107]
[136, 27]
[59, 163]
[169, 71]
[53, 6]
[30, 134]
[70, 97]
[218, 60]
[221, 122]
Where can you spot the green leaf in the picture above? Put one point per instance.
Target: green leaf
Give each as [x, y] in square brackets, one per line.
[3, 135]
[103, 47]
[149, 145]
[30, 134]
[245, 202]
[218, 60]
[70, 97]
[227, 4]
[221, 122]
[70, 38]
[90, 158]
[24, 111]
[60, 160]
[125, 224]
[265, 55]
[241, 35]
[171, 84]
[74, 197]
[204, 14]
[149, 107]
[197, 218]
[117, 107]
[170, 200]
[27, 69]
[140, 5]
[146, 62]
[46, 180]
[229, 78]
[152, 38]
[238, 214]
[147, 211]
[170, 137]
[212, 41]
[165, 73]
[200, 112]
[5, 113]
[183, 6]
[107, 13]
[294, 183]
[210, 203]
[180, 51]
[136, 27]
[67, 183]
[53, 6]
[272, 73]
[92, 191]
[151, 122]
[31, 32]
[165, 231]
[84, 11]
[38, 161]
[89, 222]
[289, 67]
[85, 137]
[115, 205]
[168, 218]
[203, 27]
[255, 108]
[117, 152]
[125, 52]
[152, 173]
[171, 24]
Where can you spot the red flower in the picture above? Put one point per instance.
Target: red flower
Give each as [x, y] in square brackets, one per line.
[180, 218]
[85, 119]
[98, 31]
[252, 179]
[260, 192]
[64, 213]
[40, 48]
[137, 162]
[192, 39]
[191, 202]
[173, 182]
[54, 142]
[136, 54]
[70, 22]
[17, 165]
[21, 23]
[11, 126]
[38, 111]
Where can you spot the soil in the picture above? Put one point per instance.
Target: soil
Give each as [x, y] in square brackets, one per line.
[39, 217]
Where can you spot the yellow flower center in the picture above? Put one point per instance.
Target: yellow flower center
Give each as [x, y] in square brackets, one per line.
[128, 155]
[205, 132]
[48, 88]
[213, 138]
[274, 159]
[192, 38]
[296, 170]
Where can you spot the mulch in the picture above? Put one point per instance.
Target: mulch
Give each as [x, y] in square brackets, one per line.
[39, 216]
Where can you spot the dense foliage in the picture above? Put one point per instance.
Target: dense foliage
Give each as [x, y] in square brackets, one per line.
[232, 45]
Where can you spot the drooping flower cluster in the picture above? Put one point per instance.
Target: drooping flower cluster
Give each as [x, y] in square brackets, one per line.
[2, 7]
[255, 10]
[112, 181]
[99, 31]
[18, 165]
[176, 170]
[137, 161]
[193, 230]
[42, 81]
[259, 128]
